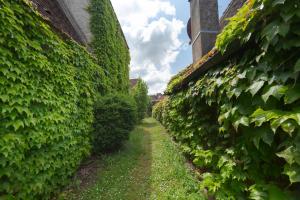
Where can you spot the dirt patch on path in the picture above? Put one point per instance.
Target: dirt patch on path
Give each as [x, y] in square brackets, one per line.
[87, 173]
[86, 176]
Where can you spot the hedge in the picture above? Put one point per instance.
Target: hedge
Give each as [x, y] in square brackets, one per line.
[48, 87]
[115, 117]
[240, 121]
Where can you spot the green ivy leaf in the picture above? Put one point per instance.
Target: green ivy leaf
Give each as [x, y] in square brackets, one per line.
[276, 123]
[243, 120]
[271, 30]
[275, 193]
[4, 98]
[17, 124]
[287, 155]
[255, 87]
[292, 94]
[257, 192]
[286, 16]
[288, 127]
[293, 171]
[284, 29]
[263, 133]
[260, 116]
[277, 91]
[277, 2]
[297, 66]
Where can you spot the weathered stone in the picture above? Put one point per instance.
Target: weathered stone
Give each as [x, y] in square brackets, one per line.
[76, 11]
[51, 9]
[204, 26]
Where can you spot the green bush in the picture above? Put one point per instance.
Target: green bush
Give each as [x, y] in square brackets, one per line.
[240, 121]
[115, 117]
[47, 92]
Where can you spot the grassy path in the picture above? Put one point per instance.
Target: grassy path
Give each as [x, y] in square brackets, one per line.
[148, 167]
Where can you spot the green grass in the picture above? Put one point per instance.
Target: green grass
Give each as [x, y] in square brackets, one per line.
[148, 167]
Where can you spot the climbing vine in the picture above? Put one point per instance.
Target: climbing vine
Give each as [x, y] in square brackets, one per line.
[48, 87]
[240, 121]
[109, 45]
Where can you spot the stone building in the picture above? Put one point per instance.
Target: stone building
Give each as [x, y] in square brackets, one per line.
[204, 24]
[205, 56]
[70, 17]
[133, 82]
[156, 98]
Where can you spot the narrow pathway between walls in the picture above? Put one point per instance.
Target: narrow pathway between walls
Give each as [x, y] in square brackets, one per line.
[148, 167]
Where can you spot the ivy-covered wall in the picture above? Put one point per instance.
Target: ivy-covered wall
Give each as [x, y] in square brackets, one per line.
[48, 87]
[240, 121]
[109, 45]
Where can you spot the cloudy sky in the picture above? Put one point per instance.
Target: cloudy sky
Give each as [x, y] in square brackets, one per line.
[156, 34]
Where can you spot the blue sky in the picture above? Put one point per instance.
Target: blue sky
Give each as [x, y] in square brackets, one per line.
[156, 34]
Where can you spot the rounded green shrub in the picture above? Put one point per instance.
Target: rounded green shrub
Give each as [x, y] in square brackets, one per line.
[115, 117]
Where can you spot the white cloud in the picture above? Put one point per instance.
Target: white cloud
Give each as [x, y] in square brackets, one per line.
[152, 33]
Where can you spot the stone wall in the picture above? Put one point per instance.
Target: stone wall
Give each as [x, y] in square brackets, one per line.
[204, 26]
[79, 16]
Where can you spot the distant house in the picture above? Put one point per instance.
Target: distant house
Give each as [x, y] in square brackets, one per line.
[156, 98]
[133, 82]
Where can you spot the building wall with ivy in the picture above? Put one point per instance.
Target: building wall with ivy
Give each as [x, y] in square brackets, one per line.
[48, 87]
[238, 121]
[109, 44]
[94, 24]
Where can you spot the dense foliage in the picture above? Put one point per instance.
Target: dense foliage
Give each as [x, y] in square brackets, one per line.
[109, 44]
[140, 94]
[115, 117]
[47, 91]
[160, 109]
[240, 122]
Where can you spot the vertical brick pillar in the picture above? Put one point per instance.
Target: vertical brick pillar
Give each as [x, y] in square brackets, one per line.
[204, 26]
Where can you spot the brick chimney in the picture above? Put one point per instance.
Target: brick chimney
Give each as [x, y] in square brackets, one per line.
[204, 26]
